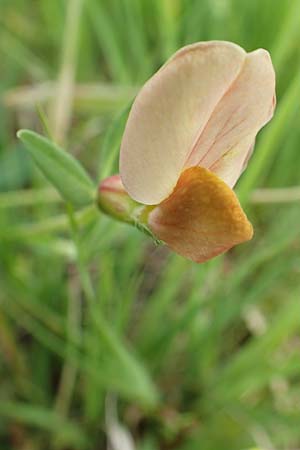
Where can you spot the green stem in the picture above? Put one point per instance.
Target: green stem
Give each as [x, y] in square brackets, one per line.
[70, 369]
[84, 275]
[106, 333]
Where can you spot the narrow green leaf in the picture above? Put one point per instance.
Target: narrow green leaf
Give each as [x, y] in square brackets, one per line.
[60, 168]
[109, 161]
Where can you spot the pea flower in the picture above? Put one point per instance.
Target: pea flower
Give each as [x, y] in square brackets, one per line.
[188, 138]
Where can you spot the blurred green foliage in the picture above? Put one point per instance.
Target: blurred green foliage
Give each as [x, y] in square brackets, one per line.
[98, 327]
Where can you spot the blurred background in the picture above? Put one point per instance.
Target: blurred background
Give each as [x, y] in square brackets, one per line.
[106, 340]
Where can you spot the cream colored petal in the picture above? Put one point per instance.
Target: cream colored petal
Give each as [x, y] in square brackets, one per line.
[247, 106]
[231, 165]
[202, 218]
[169, 113]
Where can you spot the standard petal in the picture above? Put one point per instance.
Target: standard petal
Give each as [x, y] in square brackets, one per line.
[170, 112]
[231, 165]
[202, 218]
[247, 106]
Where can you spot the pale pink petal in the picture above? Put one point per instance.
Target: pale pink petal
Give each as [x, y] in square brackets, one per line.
[170, 112]
[247, 106]
[231, 165]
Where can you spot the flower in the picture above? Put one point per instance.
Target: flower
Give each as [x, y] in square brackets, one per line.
[188, 138]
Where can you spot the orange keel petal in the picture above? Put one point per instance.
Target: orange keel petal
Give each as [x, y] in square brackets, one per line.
[202, 218]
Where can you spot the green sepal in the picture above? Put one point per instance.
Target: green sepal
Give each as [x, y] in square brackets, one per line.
[144, 229]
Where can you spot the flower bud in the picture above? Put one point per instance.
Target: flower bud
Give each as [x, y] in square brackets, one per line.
[114, 200]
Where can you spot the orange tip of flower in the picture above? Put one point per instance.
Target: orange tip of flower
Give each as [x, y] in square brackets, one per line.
[202, 218]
